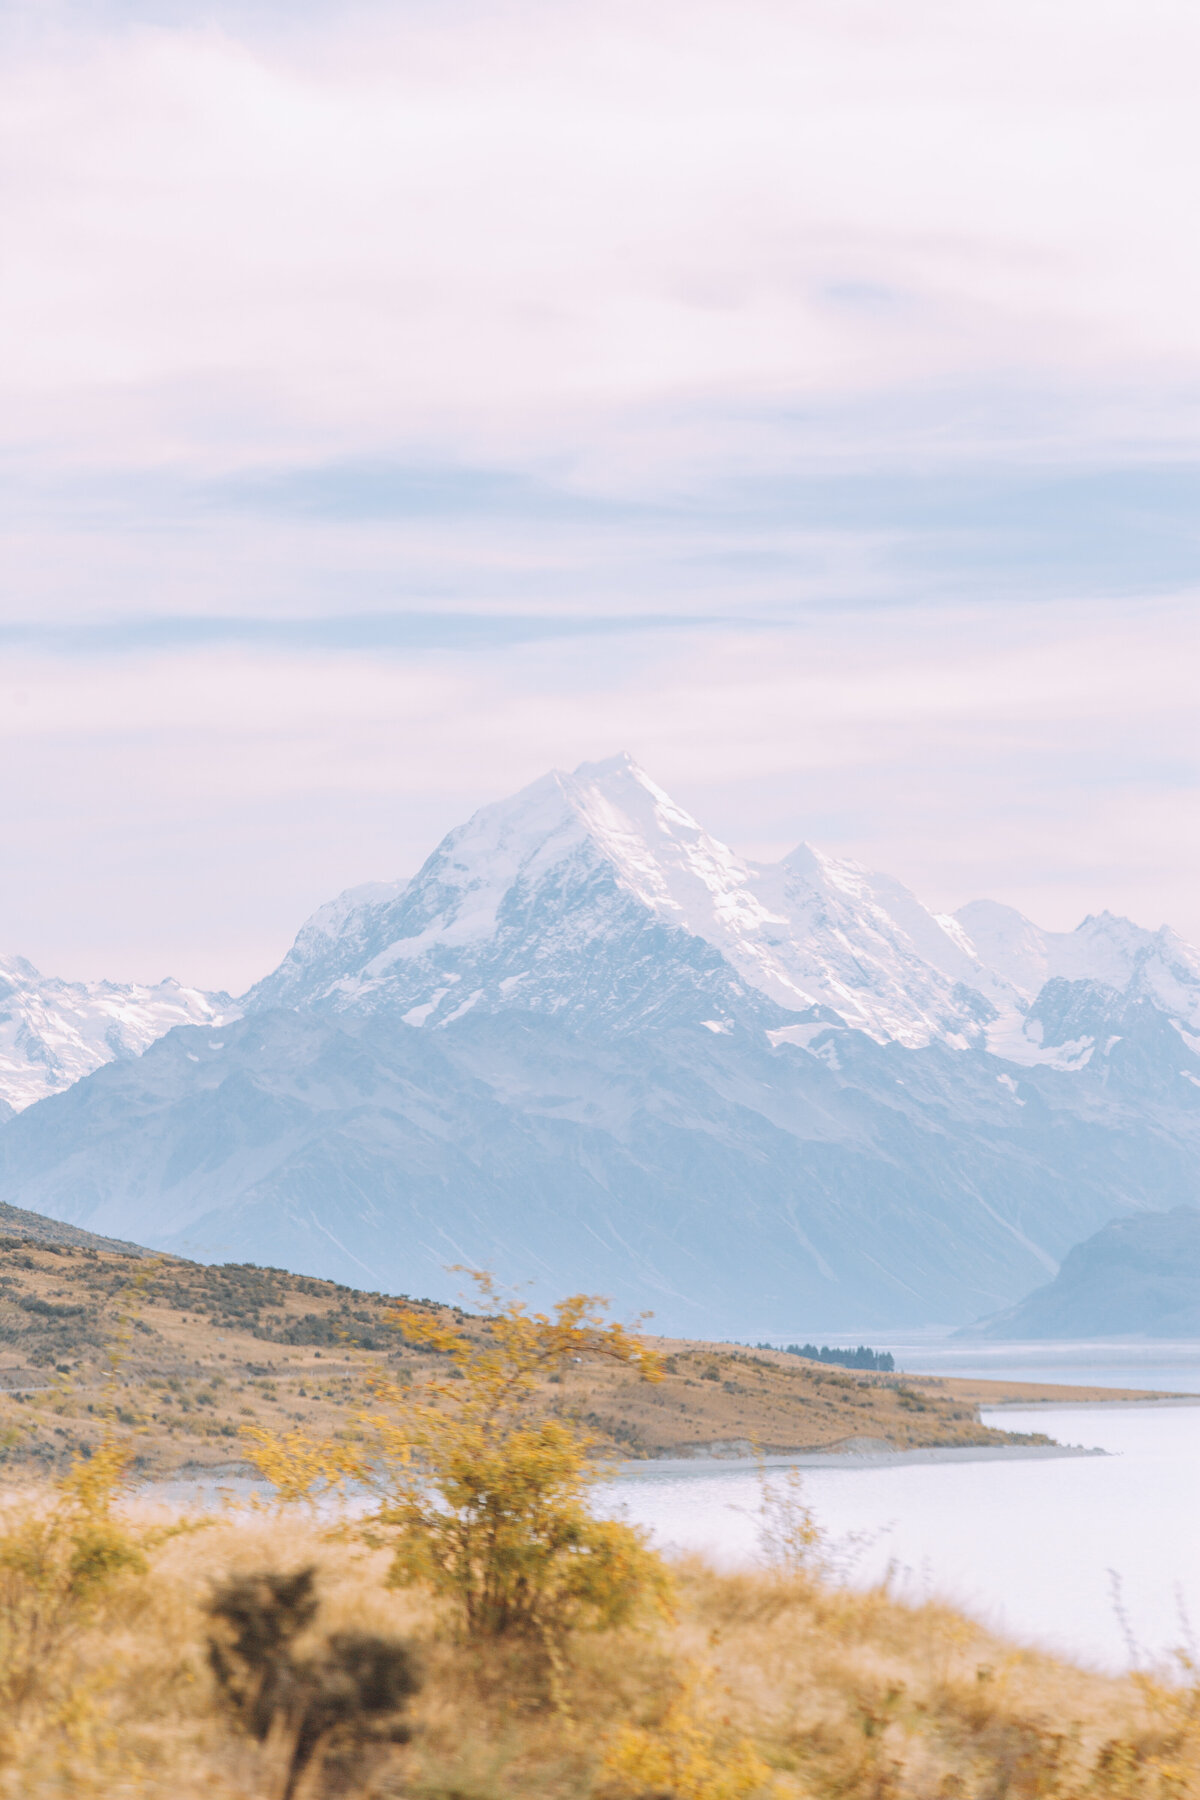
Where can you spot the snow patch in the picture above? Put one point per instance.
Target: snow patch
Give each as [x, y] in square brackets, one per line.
[1016, 1039]
[803, 1036]
[417, 1015]
[470, 1001]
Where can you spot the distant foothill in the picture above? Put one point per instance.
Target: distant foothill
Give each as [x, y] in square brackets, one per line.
[1136, 1277]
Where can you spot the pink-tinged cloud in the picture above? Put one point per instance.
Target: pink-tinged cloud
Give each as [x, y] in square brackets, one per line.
[504, 226]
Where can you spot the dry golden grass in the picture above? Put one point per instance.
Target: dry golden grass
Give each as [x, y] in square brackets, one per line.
[764, 1683]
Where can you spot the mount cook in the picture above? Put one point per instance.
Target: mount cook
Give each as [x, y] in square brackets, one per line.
[589, 1045]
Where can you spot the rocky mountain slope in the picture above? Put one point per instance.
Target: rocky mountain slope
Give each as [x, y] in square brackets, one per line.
[589, 1045]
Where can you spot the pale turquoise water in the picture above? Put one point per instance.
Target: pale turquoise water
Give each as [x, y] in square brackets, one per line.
[1131, 1362]
[1031, 1546]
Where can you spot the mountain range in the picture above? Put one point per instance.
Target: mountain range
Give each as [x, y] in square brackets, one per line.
[587, 1045]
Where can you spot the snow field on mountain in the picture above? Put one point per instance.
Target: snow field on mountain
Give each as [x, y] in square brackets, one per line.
[53, 1032]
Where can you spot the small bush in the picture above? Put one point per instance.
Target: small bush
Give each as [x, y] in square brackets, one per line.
[57, 1563]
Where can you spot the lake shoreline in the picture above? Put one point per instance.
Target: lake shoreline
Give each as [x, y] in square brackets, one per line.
[1092, 1405]
[851, 1459]
[860, 1456]
[147, 1486]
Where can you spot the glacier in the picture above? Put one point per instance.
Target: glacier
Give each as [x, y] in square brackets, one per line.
[587, 1045]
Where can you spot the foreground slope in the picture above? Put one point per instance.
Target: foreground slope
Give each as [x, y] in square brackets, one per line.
[589, 1043]
[759, 1684]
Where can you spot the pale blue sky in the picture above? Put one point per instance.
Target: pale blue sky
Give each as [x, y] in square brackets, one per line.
[398, 401]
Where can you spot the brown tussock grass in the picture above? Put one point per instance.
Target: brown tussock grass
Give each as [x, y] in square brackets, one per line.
[829, 1693]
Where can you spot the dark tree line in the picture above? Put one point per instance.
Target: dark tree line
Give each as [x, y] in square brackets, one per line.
[862, 1358]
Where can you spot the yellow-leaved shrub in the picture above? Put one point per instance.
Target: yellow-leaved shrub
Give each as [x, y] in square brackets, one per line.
[480, 1493]
[683, 1757]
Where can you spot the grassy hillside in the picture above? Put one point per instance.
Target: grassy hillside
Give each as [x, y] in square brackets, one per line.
[210, 1349]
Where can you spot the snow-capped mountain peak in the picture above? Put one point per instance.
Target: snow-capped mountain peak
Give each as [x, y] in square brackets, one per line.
[594, 895]
[522, 894]
[53, 1032]
[559, 877]
[1104, 948]
[663, 855]
[863, 943]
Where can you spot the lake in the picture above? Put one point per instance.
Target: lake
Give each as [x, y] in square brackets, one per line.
[1134, 1363]
[1033, 1547]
